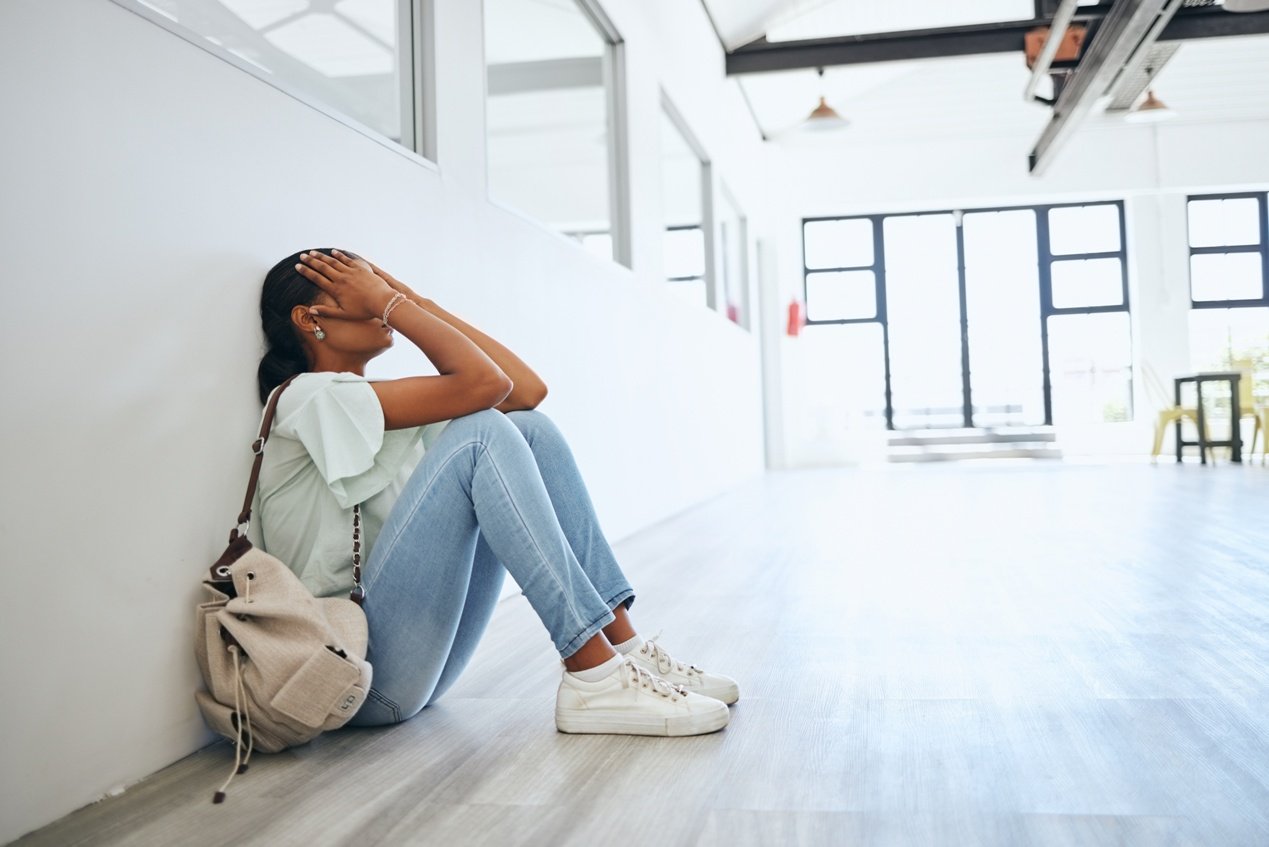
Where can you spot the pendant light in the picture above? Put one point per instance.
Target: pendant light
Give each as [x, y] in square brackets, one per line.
[824, 117]
[1152, 109]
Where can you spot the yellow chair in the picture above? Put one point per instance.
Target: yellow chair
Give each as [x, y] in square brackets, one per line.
[1166, 418]
[1168, 415]
[1261, 414]
[1249, 408]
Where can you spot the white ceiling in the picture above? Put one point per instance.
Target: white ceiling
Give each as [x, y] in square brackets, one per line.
[1209, 80]
[857, 17]
[741, 21]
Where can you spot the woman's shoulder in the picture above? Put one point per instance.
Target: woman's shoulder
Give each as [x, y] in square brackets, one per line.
[311, 382]
[317, 389]
[320, 378]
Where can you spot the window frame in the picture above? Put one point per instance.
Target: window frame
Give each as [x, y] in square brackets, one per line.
[743, 271]
[613, 67]
[691, 277]
[417, 65]
[1262, 203]
[707, 222]
[1045, 259]
[878, 268]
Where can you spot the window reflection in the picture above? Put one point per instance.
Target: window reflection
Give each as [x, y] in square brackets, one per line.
[548, 72]
[682, 184]
[351, 55]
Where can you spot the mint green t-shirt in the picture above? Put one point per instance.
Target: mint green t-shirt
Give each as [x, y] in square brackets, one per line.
[327, 452]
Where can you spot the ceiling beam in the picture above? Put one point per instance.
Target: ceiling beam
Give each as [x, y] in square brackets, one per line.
[762, 56]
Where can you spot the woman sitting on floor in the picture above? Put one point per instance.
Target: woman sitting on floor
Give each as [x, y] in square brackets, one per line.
[495, 489]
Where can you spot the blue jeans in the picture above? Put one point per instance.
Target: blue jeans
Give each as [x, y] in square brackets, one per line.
[495, 493]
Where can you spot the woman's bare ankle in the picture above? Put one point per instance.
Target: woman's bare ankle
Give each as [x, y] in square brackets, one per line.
[621, 629]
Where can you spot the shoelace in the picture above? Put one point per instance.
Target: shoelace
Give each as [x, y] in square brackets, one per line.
[664, 661]
[649, 681]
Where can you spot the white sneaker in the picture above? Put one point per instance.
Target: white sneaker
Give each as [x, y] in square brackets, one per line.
[653, 658]
[631, 701]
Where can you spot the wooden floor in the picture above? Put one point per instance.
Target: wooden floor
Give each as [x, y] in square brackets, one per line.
[997, 654]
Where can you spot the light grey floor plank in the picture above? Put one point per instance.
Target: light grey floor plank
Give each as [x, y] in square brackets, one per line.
[972, 655]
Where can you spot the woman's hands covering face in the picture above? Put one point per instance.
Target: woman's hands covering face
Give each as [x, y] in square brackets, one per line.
[359, 293]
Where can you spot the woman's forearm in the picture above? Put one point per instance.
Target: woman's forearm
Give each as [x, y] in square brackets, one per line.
[445, 346]
[528, 390]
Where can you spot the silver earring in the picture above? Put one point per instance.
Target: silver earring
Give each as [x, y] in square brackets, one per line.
[318, 334]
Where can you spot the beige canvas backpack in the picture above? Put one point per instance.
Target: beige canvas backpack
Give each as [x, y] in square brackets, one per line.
[281, 666]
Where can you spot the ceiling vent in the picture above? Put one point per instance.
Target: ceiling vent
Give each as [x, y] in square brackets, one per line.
[1137, 76]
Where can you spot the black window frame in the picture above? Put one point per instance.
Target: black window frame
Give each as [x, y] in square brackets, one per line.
[880, 315]
[1045, 260]
[1262, 248]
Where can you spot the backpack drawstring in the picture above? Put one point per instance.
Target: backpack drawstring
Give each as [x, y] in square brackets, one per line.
[251, 736]
[240, 697]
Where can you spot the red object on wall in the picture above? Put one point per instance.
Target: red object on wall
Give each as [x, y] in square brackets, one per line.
[797, 318]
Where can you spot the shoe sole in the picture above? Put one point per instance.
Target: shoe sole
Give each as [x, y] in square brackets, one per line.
[600, 724]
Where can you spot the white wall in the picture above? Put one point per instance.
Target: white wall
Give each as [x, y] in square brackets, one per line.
[147, 186]
[1152, 168]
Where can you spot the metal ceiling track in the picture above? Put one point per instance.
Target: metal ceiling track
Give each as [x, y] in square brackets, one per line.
[1131, 25]
[762, 56]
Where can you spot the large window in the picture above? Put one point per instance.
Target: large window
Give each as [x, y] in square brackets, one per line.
[985, 317]
[359, 61]
[842, 286]
[552, 118]
[1084, 296]
[1227, 251]
[683, 182]
[1229, 269]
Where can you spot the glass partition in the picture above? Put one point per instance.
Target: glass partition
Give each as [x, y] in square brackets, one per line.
[354, 59]
[551, 117]
[1229, 289]
[682, 210]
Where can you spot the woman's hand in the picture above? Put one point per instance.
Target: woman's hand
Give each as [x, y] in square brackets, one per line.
[359, 293]
[397, 285]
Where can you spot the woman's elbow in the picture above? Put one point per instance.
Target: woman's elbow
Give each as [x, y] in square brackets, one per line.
[498, 389]
[536, 395]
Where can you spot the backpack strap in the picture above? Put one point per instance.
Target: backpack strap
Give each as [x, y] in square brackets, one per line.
[257, 447]
[238, 541]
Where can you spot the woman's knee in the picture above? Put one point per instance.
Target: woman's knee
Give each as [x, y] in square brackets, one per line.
[481, 424]
[532, 422]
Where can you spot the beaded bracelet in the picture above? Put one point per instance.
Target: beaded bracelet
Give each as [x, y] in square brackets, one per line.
[392, 304]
